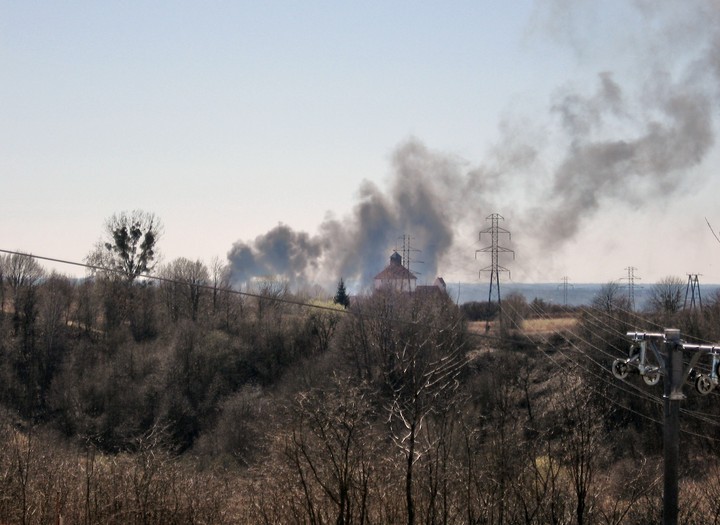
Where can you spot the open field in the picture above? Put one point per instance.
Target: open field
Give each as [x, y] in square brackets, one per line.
[531, 326]
[544, 326]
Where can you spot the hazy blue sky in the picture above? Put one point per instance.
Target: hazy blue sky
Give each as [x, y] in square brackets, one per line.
[588, 125]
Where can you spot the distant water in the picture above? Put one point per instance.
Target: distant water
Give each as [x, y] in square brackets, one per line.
[577, 294]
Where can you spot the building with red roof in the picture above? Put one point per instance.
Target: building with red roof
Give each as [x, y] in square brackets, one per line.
[395, 276]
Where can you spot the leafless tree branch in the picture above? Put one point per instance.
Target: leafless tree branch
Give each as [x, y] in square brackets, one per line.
[712, 231]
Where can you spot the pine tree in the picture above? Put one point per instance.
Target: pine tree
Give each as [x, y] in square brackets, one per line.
[341, 296]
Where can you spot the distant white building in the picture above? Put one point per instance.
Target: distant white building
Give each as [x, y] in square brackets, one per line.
[395, 276]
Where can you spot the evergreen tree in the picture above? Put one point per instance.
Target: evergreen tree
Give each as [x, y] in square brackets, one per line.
[341, 296]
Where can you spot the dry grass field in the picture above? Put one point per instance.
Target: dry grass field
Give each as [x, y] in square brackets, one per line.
[544, 326]
[531, 326]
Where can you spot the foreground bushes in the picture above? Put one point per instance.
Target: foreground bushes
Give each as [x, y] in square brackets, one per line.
[43, 481]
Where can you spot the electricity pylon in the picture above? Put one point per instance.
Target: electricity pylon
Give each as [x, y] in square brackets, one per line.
[693, 284]
[565, 285]
[407, 249]
[631, 286]
[495, 249]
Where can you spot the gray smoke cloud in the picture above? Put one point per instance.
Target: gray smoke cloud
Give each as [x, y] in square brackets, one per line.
[419, 202]
[636, 144]
[650, 162]
[280, 252]
[627, 142]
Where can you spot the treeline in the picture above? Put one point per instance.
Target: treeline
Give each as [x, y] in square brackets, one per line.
[519, 306]
[183, 401]
[110, 359]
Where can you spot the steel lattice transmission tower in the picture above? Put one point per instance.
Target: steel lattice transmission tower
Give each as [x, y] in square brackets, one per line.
[693, 285]
[631, 278]
[495, 249]
[407, 250]
[565, 285]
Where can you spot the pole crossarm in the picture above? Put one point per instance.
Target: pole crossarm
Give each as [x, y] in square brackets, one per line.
[494, 228]
[497, 249]
[711, 349]
[493, 268]
[656, 340]
[669, 350]
[645, 336]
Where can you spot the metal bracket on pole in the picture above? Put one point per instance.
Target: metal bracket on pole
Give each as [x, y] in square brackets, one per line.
[657, 341]
[668, 350]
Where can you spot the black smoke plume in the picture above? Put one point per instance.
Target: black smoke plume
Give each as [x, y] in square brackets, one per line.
[420, 202]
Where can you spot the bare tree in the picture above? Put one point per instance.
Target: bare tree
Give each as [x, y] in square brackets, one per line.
[582, 446]
[502, 466]
[271, 293]
[422, 382]
[609, 298]
[86, 307]
[666, 296]
[127, 249]
[610, 317]
[219, 281]
[56, 295]
[330, 450]
[128, 246]
[412, 350]
[3, 258]
[186, 284]
[226, 305]
[22, 272]
[421, 377]
[514, 310]
[322, 326]
[627, 483]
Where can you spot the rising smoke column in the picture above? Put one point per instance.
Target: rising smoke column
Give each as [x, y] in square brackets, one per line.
[281, 252]
[421, 201]
[638, 144]
[631, 142]
[649, 162]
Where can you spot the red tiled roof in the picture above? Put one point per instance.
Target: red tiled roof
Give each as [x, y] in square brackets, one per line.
[395, 272]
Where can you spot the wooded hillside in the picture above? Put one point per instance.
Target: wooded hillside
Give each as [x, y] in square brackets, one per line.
[182, 400]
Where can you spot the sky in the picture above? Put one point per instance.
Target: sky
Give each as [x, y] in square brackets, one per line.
[305, 139]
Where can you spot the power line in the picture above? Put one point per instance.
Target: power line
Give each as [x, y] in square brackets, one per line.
[640, 393]
[102, 269]
[628, 387]
[282, 300]
[637, 391]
